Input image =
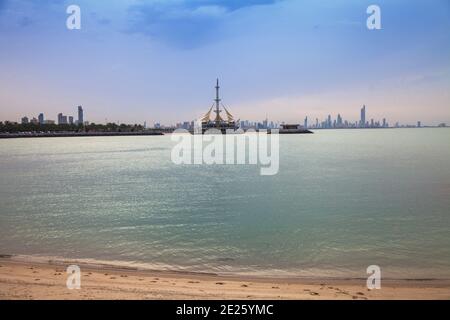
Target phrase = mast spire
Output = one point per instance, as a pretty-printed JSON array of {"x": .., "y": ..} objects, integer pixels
[{"x": 217, "y": 100}]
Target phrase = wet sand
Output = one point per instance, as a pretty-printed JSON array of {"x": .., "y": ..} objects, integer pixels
[{"x": 47, "y": 280}]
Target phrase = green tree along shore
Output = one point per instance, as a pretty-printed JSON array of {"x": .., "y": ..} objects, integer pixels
[{"x": 14, "y": 127}]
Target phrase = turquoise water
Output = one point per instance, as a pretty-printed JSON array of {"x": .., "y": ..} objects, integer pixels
[{"x": 342, "y": 200}]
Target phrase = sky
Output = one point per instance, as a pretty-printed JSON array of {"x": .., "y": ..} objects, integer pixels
[{"x": 157, "y": 60}]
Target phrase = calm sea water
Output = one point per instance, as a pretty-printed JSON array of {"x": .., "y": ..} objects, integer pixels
[{"x": 342, "y": 200}]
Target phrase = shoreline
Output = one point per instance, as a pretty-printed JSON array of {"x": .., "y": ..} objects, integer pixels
[
  {"x": 282, "y": 275},
  {"x": 27, "y": 279},
  {"x": 78, "y": 134}
]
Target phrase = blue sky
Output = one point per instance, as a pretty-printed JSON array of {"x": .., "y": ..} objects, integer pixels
[{"x": 156, "y": 61}]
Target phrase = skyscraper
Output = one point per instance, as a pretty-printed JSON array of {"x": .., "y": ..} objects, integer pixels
[
  {"x": 80, "y": 115},
  {"x": 362, "y": 122},
  {"x": 60, "y": 118},
  {"x": 41, "y": 118},
  {"x": 306, "y": 123},
  {"x": 339, "y": 121}
]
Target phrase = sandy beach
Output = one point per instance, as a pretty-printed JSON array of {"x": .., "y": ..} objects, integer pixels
[{"x": 47, "y": 280}]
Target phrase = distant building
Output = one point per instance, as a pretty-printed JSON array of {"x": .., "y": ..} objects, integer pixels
[
  {"x": 339, "y": 121},
  {"x": 34, "y": 121},
  {"x": 80, "y": 115},
  {"x": 25, "y": 120},
  {"x": 41, "y": 118},
  {"x": 419, "y": 124},
  {"x": 70, "y": 120},
  {"x": 305, "y": 124},
  {"x": 62, "y": 119},
  {"x": 185, "y": 125},
  {"x": 49, "y": 121},
  {"x": 362, "y": 122}
]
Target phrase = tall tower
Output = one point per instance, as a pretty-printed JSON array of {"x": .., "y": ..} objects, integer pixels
[
  {"x": 80, "y": 115},
  {"x": 217, "y": 100},
  {"x": 362, "y": 123}
]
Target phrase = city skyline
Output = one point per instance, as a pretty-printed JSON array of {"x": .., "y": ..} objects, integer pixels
[
  {"x": 330, "y": 122},
  {"x": 284, "y": 59},
  {"x": 61, "y": 118}
]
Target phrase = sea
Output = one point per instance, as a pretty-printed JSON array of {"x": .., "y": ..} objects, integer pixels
[{"x": 342, "y": 200}]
